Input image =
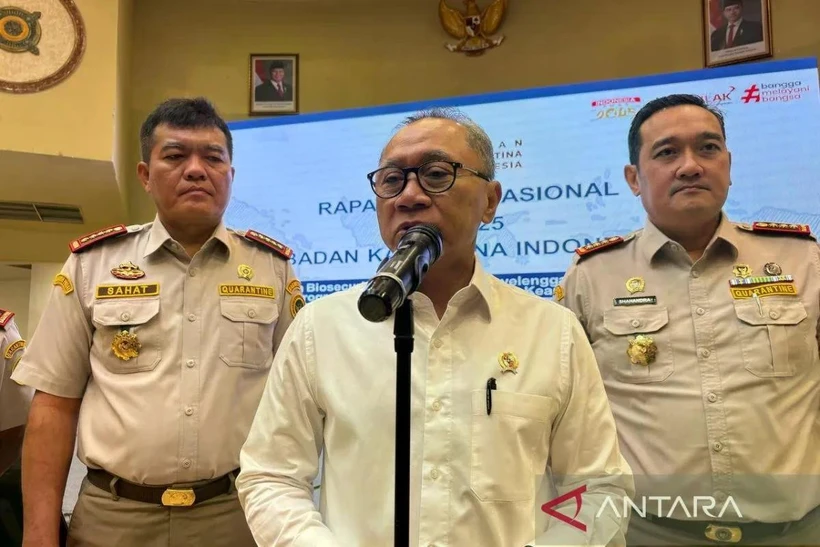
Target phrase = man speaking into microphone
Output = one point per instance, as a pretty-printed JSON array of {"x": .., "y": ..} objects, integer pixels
[{"x": 507, "y": 405}]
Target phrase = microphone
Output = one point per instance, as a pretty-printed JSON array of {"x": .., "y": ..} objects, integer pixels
[{"x": 400, "y": 275}]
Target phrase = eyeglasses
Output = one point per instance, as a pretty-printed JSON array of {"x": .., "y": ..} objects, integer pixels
[{"x": 434, "y": 177}]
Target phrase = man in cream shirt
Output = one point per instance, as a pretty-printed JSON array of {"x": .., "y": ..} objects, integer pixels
[{"x": 479, "y": 475}]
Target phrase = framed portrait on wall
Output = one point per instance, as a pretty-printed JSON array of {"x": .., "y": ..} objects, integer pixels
[
  {"x": 735, "y": 31},
  {"x": 274, "y": 84}
]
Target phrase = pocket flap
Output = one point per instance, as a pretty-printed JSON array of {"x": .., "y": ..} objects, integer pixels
[
  {"x": 633, "y": 320},
  {"x": 510, "y": 403},
  {"x": 247, "y": 311},
  {"x": 125, "y": 312},
  {"x": 770, "y": 313}
]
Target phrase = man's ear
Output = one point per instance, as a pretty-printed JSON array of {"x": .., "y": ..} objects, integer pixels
[
  {"x": 631, "y": 176},
  {"x": 493, "y": 200},
  {"x": 142, "y": 173}
]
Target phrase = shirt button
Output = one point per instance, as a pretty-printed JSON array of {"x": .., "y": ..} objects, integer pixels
[
  {"x": 435, "y": 474},
  {"x": 436, "y": 405},
  {"x": 251, "y": 313},
  {"x": 636, "y": 323},
  {"x": 695, "y": 273},
  {"x": 712, "y": 397},
  {"x": 700, "y": 311},
  {"x": 674, "y": 247},
  {"x": 125, "y": 316},
  {"x": 717, "y": 446},
  {"x": 774, "y": 314},
  {"x": 438, "y": 343},
  {"x": 190, "y": 363},
  {"x": 704, "y": 352},
  {"x": 192, "y": 272},
  {"x": 186, "y": 463},
  {"x": 191, "y": 317},
  {"x": 189, "y": 411}
]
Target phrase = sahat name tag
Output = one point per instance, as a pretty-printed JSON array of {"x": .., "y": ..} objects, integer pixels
[{"x": 127, "y": 291}]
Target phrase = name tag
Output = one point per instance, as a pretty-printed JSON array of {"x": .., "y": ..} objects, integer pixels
[
  {"x": 258, "y": 291},
  {"x": 127, "y": 291},
  {"x": 770, "y": 289},
  {"x": 635, "y": 301},
  {"x": 14, "y": 348}
]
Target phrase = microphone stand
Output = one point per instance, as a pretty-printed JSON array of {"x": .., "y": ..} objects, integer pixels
[{"x": 403, "y": 333}]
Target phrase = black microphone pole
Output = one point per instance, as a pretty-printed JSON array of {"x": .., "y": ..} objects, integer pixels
[{"x": 403, "y": 334}]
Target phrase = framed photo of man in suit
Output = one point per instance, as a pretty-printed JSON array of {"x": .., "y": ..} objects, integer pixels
[
  {"x": 274, "y": 84},
  {"x": 735, "y": 31}
]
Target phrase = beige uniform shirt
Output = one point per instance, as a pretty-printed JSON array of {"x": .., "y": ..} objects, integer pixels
[
  {"x": 14, "y": 398},
  {"x": 730, "y": 406},
  {"x": 208, "y": 327},
  {"x": 476, "y": 479}
]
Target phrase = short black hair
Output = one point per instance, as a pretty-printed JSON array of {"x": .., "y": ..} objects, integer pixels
[
  {"x": 276, "y": 64},
  {"x": 656, "y": 105},
  {"x": 197, "y": 113},
  {"x": 727, "y": 3}
]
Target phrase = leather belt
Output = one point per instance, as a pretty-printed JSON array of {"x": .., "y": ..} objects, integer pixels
[
  {"x": 169, "y": 496},
  {"x": 724, "y": 532}
]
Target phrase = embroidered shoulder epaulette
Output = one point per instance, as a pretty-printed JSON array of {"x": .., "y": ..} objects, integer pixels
[
  {"x": 89, "y": 240},
  {"x": 782, "y": 228},
  {"x": 5, "y": 317},
  {"x": 269, "y": 242},
  {"x": 607, "y": 243}
]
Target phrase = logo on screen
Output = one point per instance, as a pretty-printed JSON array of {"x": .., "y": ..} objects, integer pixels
[
  {"x": 616, "y": 107},
  {"x": 775, "y": 92}
]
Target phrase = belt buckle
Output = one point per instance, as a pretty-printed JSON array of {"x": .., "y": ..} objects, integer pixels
[
  {"x": 723, "y": 534},
  {"x": 178, "y": 497}
]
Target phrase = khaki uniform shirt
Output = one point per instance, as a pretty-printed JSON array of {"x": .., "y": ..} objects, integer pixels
[
  {"x": 14, "y": 398},
  {"x": 730, "y": 405},
  {"x": 477, "y": 478},
  {"x": 208, "y": 327}
]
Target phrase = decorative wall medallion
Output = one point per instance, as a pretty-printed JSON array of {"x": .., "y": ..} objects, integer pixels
[{"x": 39, "y": 49}]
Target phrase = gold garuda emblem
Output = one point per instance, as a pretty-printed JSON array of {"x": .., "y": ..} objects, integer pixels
[
  {"x": 473, "y": 28},
  {"x": 508, "y": 362},
  {"x": 127, "y": 270},
  {"x": 19, "y": 30},
  {"x": 642, "y": 350},
  {"x": 126, "y": 345}
]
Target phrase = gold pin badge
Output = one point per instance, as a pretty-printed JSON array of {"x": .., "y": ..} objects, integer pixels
[
  {"x": 772, "y": 268},
  {"x": 642, "y": 350},
  {"x": 127, "y": 270},
  {"x": 126, "y": 345},
  {"x": 244, "y": 272},
  {"x": 742, "y": 270},
  {"x": 508, "y": 362},
  {"x": 635, "y": 284},
  {"x": 558, "y": 293}
]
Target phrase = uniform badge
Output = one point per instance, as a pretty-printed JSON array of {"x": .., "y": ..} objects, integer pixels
[
  {"x": 296, "y": 304},
  {"x": 635, "y": 284},
  {"x": 508, "y": 362},
  {"x": 14, "y": 348},
  {"x": 127, "y": 270},
  {"x": 772, "y": 268},
  {"x": 125, "y": 345},
  {"x": 642, "y": 350},
  {"x": 64, "y": 283},
  {"x": 294, "y": 286},
  {"x": 742, "y": 270},
  {"x": 558, "y": 293},
  {"x": 244, "y": 272}
]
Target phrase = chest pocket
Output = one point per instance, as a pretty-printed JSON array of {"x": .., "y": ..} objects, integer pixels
[
  {"x": 774, "y": 338},
  {"x": 246, "y": 332},
  {"x": 140, "y": 317},
  {"x": 622, "y": 325},
  {"x": 510, "y": 446}
]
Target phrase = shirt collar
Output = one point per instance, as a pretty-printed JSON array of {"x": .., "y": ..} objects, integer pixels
[
  {"x": 481, "y": 283},
  {"x": 652, "y": 240},
  {"x": 159, "y": 236}
]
